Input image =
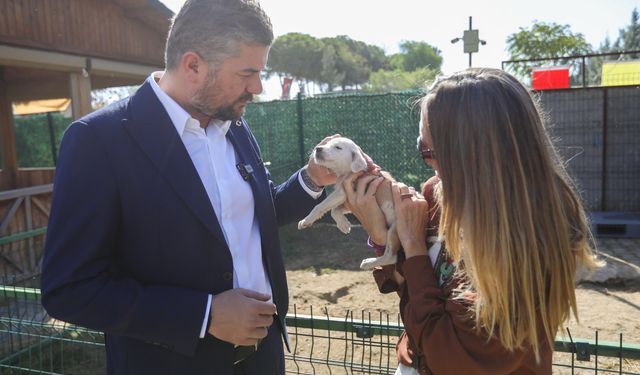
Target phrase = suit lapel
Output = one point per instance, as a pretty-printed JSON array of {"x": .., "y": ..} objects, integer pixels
[
  {"x": 240, "y": 137},
  {"x": 150, "y": 126},
  {"x": 248, "y": 156}
]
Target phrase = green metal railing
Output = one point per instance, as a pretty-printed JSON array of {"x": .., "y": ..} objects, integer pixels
[
  {"x": 22, "y": 235},
  {"x": 31, "y": 342}
]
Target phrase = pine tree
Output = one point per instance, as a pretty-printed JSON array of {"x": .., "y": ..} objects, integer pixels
[{"x": 629, "y": 37}]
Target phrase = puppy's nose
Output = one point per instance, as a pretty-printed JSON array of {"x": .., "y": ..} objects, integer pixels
[{"x": 319, "y": 149}]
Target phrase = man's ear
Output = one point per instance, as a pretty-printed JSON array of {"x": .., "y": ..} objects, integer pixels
[
  {"x": 358, "y": 162},
  {"x": 192, "y": 65}
]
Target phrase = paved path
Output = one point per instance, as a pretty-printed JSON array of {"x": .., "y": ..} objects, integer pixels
[{"x": 623, "y": 261}]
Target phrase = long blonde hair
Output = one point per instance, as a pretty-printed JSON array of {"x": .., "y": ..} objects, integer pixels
[{"x": 509, "y": 209}]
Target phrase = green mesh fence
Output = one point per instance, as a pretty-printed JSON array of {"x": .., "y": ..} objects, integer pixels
[
  {"x": 384, "y": 125},
  {"x": 362, "y": 342}
]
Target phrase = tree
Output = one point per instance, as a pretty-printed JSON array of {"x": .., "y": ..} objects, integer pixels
[
  {"x": 339, "y": 61},
  {"x": 374, "y": 55},
  {"x": 348, "y": 63},
  {"x": 352, "y": 67},
  {"x": 399, "y": 80},
  {"x": 415, "y": 55},
  {"x": 629, "y": 37},
  {"x": 103, "y": 97},
  {"x": 628, "y": 40},
  {"x": 544, "y": 40},
  {"x": 330, "y": 74},
  {"x": 296, "y": 55}
]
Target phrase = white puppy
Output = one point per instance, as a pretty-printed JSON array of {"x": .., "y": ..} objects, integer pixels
[{"x": 343, "y": 157}]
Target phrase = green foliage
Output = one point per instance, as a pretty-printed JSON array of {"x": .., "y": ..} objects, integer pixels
[
  {"x": 373, "y": 55},
  {"x": 296, "y": 55},
  {"x": 415, "y": 55},
  {"x": 347, "y": 63},
  {"x": 339, "y": 61},
  {"x": 628, "y": 37},
  {"x": 399, "y": 80},
  {"x": 330, "y": 74},
  {"x": 350, "y": 65},
  {"x": 544, "y": 40},
  {"x": 628, "y": 40},
  {"x": 33, "y": 139},
  {"x": 103, "y": 97}
]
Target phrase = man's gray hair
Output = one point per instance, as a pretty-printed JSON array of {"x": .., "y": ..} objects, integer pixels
[{"x": 214, "y": 28}]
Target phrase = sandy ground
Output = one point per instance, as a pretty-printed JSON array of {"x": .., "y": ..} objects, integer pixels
[{"x": 322, "y": 269}]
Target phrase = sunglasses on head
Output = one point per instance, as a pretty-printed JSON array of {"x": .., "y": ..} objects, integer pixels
[{"x": 425, "y": 152}]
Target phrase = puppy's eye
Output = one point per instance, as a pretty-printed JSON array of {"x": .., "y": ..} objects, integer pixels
[{"x": 338, "y": 147}]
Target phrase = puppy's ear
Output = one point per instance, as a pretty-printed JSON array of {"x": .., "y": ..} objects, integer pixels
[{"x": 358, "y": 163}]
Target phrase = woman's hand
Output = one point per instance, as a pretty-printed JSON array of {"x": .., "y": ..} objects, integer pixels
[
  {"x": 411, "y": 219},
  {"x": 360, "y": 189}
]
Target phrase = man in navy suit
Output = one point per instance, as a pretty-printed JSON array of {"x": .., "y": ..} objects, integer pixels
[{"x": 163, "y": 227}]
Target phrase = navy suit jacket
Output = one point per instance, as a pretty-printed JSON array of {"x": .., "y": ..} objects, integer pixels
[{"x": 134, "y": 248}]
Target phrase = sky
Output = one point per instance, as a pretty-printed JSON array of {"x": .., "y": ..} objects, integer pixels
[{"x": 387, "y": 23}]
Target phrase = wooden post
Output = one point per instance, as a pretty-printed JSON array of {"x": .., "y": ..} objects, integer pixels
[
  {"x": 7, "y": 135},
  {"x": 80, "y": 84}
]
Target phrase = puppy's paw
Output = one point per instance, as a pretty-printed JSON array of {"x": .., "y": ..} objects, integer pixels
[
  {"x": 368, "y": 264},
  {"x": 302, "y": 224},
  {"x": 344, "y": 226}
]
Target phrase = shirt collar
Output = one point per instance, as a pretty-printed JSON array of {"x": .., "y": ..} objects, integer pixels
[
  {"x": 179, "y": 117},
  {"x": 222, "y": 127}
]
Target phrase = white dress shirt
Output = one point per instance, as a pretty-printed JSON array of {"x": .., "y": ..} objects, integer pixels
[{"x": 230, "y": 195}]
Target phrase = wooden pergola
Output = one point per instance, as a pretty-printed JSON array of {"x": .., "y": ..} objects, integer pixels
[
  {"x": 61, "y": 49},
  {"x": 66, "y": 48}
]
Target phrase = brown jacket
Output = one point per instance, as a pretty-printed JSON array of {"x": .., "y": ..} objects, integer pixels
[{"x": 440, "y": 337}]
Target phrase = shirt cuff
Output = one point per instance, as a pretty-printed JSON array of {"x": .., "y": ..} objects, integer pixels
[
  {"x": 203, "y": 330},
  {"x": 313, "y": 194}
]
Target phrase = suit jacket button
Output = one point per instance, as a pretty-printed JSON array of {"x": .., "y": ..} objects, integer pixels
[{"x": 227, "y": 276}]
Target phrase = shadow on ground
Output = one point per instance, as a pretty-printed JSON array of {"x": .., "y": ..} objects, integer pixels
[{"x": 323, "y": 246}]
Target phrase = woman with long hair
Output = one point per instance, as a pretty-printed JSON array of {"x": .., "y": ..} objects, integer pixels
[{"x": 504, "y": 215}]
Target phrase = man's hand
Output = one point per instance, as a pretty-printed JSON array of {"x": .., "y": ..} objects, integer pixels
[
  {"x": 321, "y": 176},
  {"x": 241, "y": 316}
]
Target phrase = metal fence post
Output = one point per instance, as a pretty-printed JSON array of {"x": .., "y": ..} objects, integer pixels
[
  {"x": 605, "y": 140},
  {"x": 301, "y": 131}
]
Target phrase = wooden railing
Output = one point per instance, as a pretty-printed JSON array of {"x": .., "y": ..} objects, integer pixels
[{"x": 24, "y": 213}]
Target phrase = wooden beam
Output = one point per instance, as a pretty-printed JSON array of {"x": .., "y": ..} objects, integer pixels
[
  {"x": 32, "y": 190},
  {"x": 33, "y": 58},
  {"x": 40, "y": 205},
  {"x": 7, "y": 133},
  {"x": 57, "y": 61},
  {"x": 52, "y": 88},
  {"x": 80, "y": 94},
  {"x": 6, "y": 220},
  {"x": 29, "y": 224},
  {"x": 112, "y": 68}
]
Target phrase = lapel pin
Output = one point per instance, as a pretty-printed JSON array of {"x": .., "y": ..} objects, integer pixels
[{"x": 245, "y": 170}]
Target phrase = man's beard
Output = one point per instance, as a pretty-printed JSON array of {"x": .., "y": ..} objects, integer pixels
[{"x": 207, "y": 94}]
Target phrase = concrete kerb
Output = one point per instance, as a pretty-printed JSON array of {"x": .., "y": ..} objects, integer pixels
[{"x": 622, "y": 257}]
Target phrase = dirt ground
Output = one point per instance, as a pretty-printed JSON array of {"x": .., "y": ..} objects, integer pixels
[{"x": 323, "y": 272}]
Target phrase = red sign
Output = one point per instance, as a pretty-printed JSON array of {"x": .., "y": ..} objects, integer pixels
[
  {"x": 550, "y": 78},
  {"x": 286, "y": 87}
]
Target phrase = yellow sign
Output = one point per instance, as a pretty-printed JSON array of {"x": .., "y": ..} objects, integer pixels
[{"x": 621, "y": 73}]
